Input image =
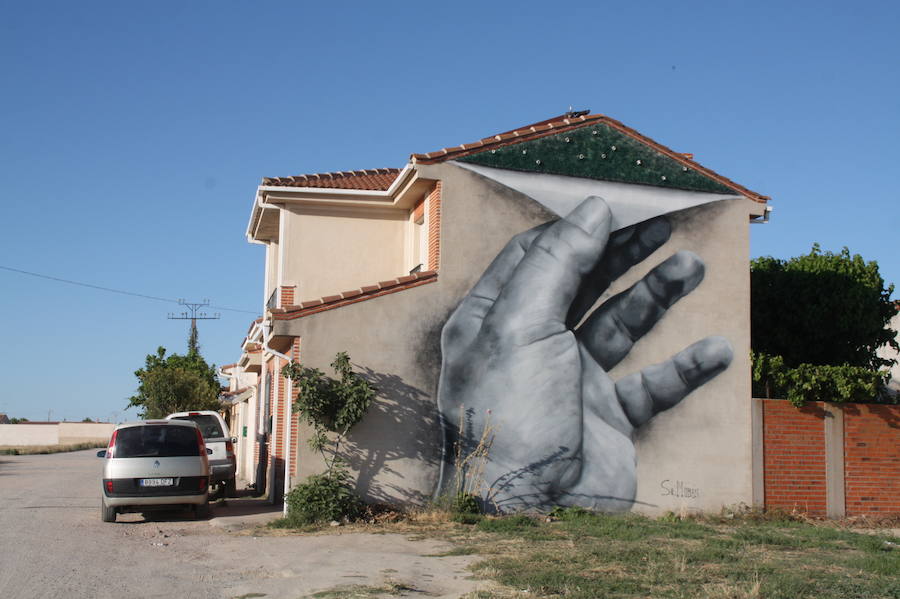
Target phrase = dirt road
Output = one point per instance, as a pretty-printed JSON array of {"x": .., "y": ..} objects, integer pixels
[{"x": 53, "y": 544}]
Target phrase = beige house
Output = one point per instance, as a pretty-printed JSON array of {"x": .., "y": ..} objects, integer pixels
[
  {"x": 240, "y": 409},
  {"x": 648, "y": 285}
]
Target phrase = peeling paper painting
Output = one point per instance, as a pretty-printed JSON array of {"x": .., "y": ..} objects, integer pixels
[{"x": 526, "y": 353}]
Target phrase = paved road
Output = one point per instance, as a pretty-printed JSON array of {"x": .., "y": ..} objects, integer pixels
[{"x": 53, "y": 544}]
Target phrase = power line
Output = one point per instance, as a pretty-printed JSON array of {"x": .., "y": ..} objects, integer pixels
[{"x": 111, "y": 290}]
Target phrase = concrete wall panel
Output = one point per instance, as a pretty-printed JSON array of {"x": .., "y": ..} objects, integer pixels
[
  {"x": 79, "y": 432},
  {"x": 29, "y": 434}
]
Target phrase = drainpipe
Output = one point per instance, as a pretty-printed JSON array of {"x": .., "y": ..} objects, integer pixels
[{"x": 290, "y": 416}]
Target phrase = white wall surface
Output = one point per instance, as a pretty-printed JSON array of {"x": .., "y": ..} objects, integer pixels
[{"x": 29, "y": 434}]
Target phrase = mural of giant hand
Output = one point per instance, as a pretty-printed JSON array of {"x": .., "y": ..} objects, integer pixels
[{"x": 519, "y": 357}]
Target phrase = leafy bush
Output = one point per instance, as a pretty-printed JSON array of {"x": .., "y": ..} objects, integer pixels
[
  {"x": 332, "y": 407},
  {"x": 323, "y": 498},
  {"x": 815, "y": 382},
  {"x": 328, "y": 404},
  {"x": 466, "y": 503}
]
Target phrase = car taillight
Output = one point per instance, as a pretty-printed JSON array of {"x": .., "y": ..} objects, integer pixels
[
  {"x": 111, "y": 450},
  {"x": 200, "y": 443},
  {"x": 202, "y": 484},
  {"x": 229, "y": 449},
  {"x": 109, "y": 486}
]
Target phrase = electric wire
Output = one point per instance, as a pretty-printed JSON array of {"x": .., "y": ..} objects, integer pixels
[{"x": 111, "y": 290}]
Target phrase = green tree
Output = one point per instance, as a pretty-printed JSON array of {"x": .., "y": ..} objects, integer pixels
[
  {"x": 817, "y": 321},
  {"x": 332, "y": 406},
  {"x": 175, "y": 383},
  {"x": 821, "y": 308}
]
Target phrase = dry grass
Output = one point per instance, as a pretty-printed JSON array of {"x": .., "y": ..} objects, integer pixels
[{"x": 739, "y": 554}]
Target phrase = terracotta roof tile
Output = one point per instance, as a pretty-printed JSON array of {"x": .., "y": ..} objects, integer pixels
[
  {"x": 376, "y": 179},
  {"x": 346, "y": 298}
]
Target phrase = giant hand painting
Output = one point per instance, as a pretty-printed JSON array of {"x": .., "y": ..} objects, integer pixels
[{"x": 525, "y": 357}]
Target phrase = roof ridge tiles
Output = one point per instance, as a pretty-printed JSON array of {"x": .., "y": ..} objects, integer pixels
[
  {"x": 376, "y": 179},
  {"x": 563, "y": 123}
]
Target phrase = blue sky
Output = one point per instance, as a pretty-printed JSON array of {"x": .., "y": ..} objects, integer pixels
[{"x": 133, "y": 136}]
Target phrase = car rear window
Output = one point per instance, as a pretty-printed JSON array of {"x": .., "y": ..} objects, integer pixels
[
  {"x": 209, "y": 425},
  {"x": 156, "y": 441}
]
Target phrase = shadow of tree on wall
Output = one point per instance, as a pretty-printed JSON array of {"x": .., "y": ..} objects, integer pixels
[
  {"x": 402, "y": 424},
  {"x": 890, "y": 414}
]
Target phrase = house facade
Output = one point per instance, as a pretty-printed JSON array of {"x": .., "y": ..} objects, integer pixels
[
  {"x": 240, "y": 408},
  {"x": 571, "y": 294}
]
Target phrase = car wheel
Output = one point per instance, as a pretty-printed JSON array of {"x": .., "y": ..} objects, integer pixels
[
  {"x": 107, "y": 513},
  {"x": 230, "y": 488},
  {"x": 201, "y": 511}
]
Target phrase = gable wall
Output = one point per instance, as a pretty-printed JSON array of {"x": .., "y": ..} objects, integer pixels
[{"x": 703, "y": 444}]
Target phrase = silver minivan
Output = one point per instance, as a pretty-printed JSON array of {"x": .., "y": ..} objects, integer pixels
[{"x": 154, "y": 464}]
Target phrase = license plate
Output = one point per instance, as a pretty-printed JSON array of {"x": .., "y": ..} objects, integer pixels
[{"x": 157, "y": 482}]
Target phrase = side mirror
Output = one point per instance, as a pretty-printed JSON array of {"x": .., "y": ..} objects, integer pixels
[
  {"x": 101, "y": 453},
  {"x": 208, "y": 451}
]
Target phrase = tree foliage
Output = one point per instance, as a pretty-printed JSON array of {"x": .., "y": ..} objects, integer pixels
[
  {"x": 817, "y": 382},
  {"x": 821, "y": 308},
  {"x": 175, "y": 383},
  {"x": 331, "y": 406},
  {"x": 817, "y": 321}
]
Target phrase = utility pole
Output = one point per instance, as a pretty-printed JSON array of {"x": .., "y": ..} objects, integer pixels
[{"x": 193, "y": 314}]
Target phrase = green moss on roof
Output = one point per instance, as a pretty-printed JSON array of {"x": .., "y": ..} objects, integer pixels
[{"x": 597, "y": 151}]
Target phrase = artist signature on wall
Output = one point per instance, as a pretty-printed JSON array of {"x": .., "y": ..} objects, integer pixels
[{"x": 677, "y": 488}]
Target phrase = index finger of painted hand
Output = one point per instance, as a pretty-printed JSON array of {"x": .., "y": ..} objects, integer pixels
[
  {"x": 534, "y": 302},
  {"x": 661, "y": 386},
  {"x": 466, "y": 320}
]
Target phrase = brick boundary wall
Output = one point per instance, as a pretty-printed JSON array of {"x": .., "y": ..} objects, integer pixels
[
  {"x": 871, "y": 459},
  {"x": 831, "y": 459},
  {"x": 794, "y": 457}
]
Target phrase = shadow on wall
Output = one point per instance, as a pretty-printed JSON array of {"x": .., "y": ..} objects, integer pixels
[
  {"x": 401, "y": 425},
  {"x": 889, "y": 413}
]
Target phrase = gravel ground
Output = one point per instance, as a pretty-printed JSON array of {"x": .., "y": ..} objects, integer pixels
[{"x": 53, "y": 544}]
